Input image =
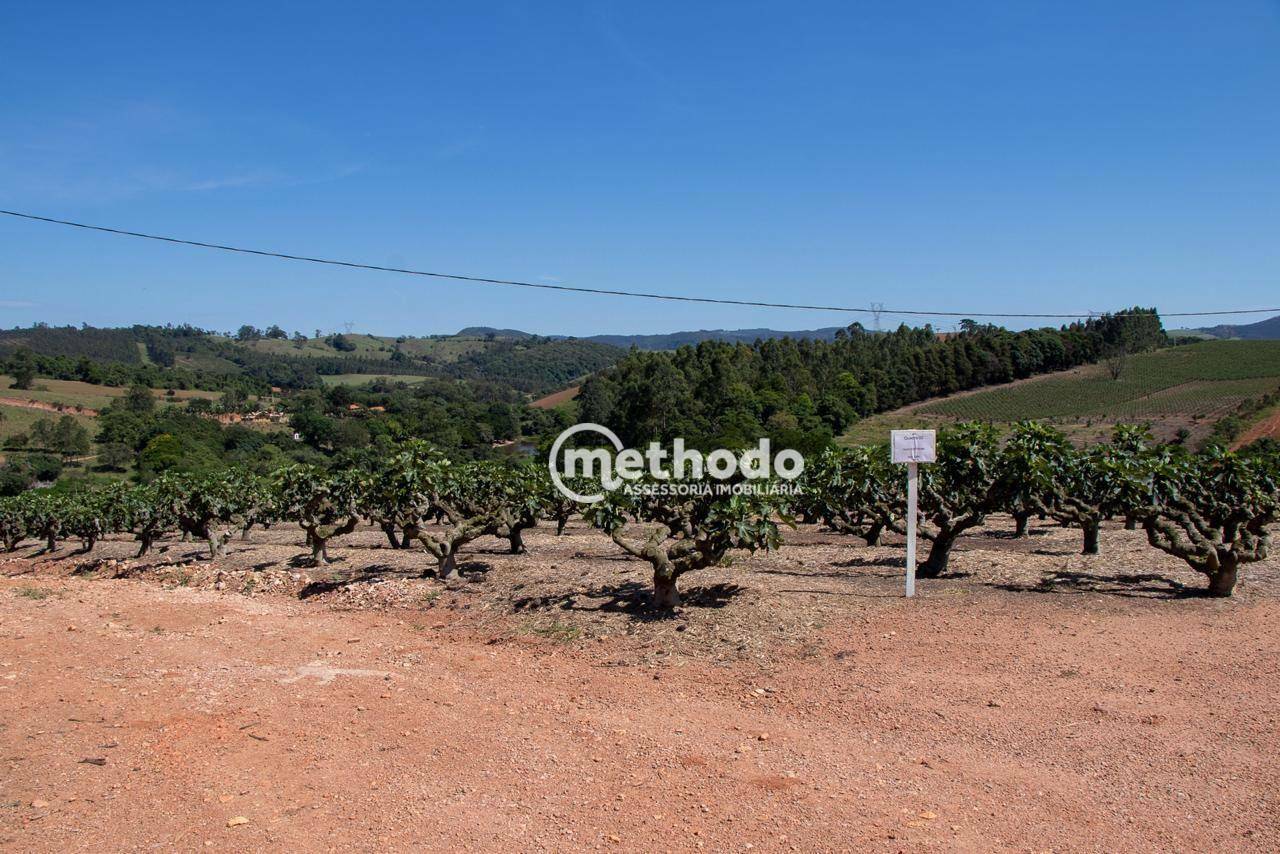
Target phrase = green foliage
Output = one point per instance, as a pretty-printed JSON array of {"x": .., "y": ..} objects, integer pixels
[
  {"x": 326, "y": 504},
  {"x": 1212, "y": 510},
  {"x": 1042, "y": 473},
  {"x": 956, "y": 493},
  {"x": 65, "y": 436},
  {"x": 23, "y": 369},
  {"x": 853, "y": 491},
  {"x": 21, "y": 472},
  {"x": 92, "y": 512},
  {"x": 686, "y": 532},
  {"x": 1197, "y": 378},
  {"x": 801, "y": 393}
]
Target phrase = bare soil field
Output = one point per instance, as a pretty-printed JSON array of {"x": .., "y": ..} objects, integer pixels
[
  {"x": 551, "y": 401},
  {"x": 1038, "y": 700}
]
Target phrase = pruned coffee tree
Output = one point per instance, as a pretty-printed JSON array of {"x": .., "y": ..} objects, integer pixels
[
  {"x": 1212, "y": 511},
  {"x": 852, "y": 491},
  {"x": 683, "y": 533},
  {"x": 13, "y": 522},
  {"x": 91, "y": 513},
  {"x": 209, "y": 507},
  {"x": 325, "y": 504},
  {"x": 416, "y": 486},
  {"x": 956, "y": 492}
]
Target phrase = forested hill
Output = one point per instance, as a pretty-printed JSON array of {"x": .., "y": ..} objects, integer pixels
[
  {"x": 800, "y": 393},
  {"x": 254, "y": 359},
  {"x": 671, "y": 340}
]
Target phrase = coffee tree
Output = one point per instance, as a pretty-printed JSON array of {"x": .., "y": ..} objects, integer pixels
[
  {"x": 955, "y": 493},
  {"x": 325, "y": 504},
  {"x": 415, "y": 486},
  {"x": 13, "y": 521},
  {"x": 1212, "y": 511},
  {"x": 210, "y": 507},
  {"x": 683, "y": 533},
  {"x": 852, "y": 491}
]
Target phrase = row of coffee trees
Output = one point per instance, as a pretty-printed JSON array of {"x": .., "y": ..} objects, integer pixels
[{"x": 1211, "y": 509}]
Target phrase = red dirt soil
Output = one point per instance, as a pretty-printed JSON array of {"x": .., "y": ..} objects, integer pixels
[
  {"x": 47, "y": 407},
  {"x": 969, "y": 719},
  {"x": 554, "y": 399},
  {"x": 1268, "y": 427}
]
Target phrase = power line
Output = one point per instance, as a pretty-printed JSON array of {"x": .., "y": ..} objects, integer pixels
[{"x": 580, "y": 290}]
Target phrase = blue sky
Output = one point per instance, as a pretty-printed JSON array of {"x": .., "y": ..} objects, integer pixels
[{"x": 1027, "y": 156}]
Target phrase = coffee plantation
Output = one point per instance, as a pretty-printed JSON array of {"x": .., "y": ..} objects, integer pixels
[{"x": 1211, "y": 509}]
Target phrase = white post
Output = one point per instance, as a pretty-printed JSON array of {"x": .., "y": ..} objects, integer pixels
[{"x": 912, "y": 471}]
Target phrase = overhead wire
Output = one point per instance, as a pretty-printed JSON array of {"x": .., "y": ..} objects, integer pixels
[{"x": 877, "y": 311}]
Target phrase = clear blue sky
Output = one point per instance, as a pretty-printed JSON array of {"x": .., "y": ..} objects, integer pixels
[{"x": 1026, "y": 156}]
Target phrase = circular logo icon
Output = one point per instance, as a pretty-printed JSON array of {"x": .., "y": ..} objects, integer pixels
[{"x": 555, "y": 454}]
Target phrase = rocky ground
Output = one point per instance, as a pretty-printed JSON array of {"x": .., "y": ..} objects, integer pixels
[{"x": 1037, "y": 700}]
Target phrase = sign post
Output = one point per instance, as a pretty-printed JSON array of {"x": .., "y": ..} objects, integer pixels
[{"x": 913, "y": 447}]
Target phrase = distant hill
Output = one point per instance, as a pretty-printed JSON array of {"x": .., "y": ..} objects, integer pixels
[
  {"x": 491, "y": 332},
  {"x": 674, "y": 340},
  {"x": 508, "y": 358},
  {"x": 1263, "y": 330},
  {"x": 664, "y": 340}
]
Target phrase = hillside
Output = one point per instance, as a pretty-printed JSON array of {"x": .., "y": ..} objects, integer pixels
[
  {"x": 1263, "y": 330},
  {"x": 667, "y": 340},
  {"x": 1188, "y": 387},
  {"x": 190, "y": 357}
]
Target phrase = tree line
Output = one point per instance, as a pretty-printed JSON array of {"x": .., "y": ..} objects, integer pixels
[{"x": 801, "y": 393}]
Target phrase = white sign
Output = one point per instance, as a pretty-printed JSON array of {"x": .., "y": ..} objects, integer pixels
[{"x": 914, "y": 446}]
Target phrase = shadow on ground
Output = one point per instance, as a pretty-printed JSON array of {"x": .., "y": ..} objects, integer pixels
[
  {"x": 1133, "y": 585},
  {"x": 632, "y": 598}
]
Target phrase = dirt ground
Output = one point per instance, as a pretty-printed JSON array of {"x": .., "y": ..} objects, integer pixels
[{"x": 1039, "y": 700}]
